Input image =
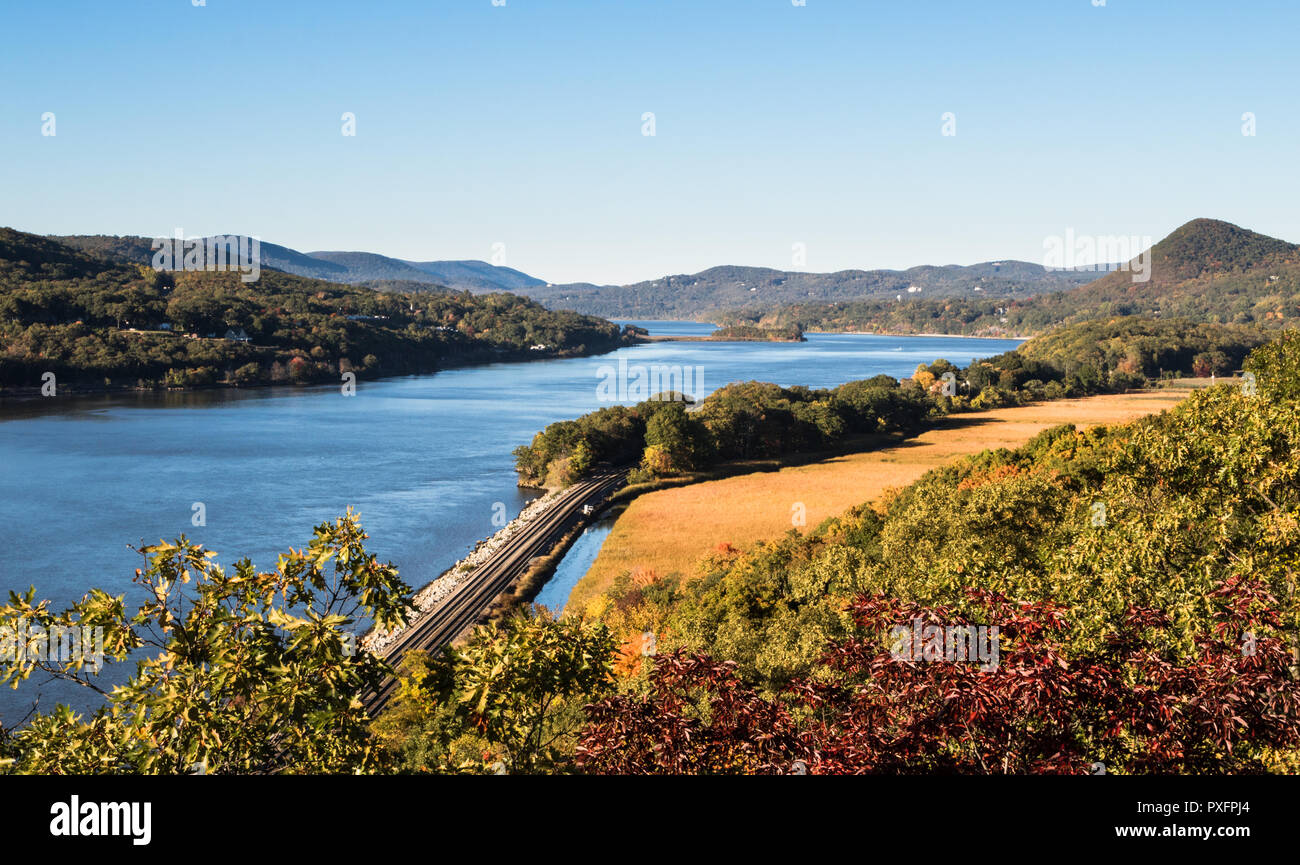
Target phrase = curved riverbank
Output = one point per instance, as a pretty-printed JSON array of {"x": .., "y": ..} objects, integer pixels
[
  {"x": 35, "y": 393},
  {"x": 666, "y": 532},
  {"x": 425, "y": 460}
]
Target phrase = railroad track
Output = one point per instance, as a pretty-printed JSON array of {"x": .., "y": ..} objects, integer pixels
[{"x": 439, "y": 626}]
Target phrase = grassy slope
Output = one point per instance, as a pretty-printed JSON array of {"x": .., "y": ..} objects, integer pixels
[{"x": 669, "y": 530}]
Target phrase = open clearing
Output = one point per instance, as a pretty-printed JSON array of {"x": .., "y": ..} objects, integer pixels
[{"x": 667, "y": 531}]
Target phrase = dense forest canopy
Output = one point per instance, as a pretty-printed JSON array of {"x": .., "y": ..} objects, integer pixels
[
  {"x": 744, "y": 420},
  {"x": 95, "y": 323},
  {"x": 1146, "y": 347}
]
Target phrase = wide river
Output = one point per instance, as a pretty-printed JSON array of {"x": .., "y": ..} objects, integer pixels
[{"x": 426, "y": 460}]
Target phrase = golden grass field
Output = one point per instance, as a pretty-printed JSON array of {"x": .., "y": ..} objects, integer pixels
[{"x": 667, "y": 531}]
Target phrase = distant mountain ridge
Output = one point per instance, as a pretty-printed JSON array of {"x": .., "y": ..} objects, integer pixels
[
  {"x": 733, "y": 289},
  {"x": 471, "y": 275},
  {"x": 681, "y": 296},
  {"x": 1206, "y": 270},
  {"x": 352, "y": 268}
]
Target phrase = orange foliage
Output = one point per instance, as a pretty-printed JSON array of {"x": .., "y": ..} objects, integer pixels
[
  {"x": 998, "y": 474},
  {"x": 630, "y": 655},
  {"x": 643, "y": 576}
]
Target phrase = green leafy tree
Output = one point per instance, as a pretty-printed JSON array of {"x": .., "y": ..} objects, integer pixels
[
  {"x": 513, "y": 696},
  {"x": 251, "y": 672},
  {"x": 581, "y": 461},
  {"x": 680, "y": 440},
  {"x": 1276, "y": 366}
]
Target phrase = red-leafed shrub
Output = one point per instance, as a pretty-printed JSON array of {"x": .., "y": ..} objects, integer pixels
[{"x": 1133, "y": 706}]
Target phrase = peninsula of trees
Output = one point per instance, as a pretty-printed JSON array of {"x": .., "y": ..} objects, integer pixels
[
  {"x": 751, "y": 333},
  {"x": 666, "y": 435}
]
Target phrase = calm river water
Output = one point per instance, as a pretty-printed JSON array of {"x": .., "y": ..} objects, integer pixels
[{"x": 424, "y": 459}]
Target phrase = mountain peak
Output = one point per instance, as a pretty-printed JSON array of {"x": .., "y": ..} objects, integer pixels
[
  {"x": 1200, "y": 248},
  {"x": 1204, "y": 246}
]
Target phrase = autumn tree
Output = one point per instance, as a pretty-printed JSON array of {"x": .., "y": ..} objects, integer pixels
[
  {"x": 1133, "y": 705},
  {"x": 238, "y": 670},
  {"x": 509, "y": 700}
]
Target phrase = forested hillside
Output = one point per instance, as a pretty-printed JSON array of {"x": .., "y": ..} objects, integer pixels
[
  {"x": 1147, "y": 347},
  {"x": 353, "y": 268},
  {"x": 717, "y": 291},
  {"x": 96, "y": 324},
  {"x": 1207, "y": 270}
]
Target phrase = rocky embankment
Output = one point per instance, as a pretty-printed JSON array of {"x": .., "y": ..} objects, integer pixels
[{"x": 429, "y": 597}]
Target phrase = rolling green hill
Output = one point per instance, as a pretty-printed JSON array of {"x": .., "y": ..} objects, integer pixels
[
  {"x": 1136, "y": 345},
  {"x": 99, "y": 324}
]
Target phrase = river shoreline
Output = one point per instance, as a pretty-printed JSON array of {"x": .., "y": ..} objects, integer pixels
[
  {"x": 27, "y": 395},
  {"x": 748, "y": 507},
  {"x": 678, "y": 338},
  {"x": 926, "y": 335},
  {"x": 424, "y": 459},
  {"x": 428, "y": 596}
]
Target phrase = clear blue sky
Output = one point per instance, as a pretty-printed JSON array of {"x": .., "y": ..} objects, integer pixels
[{"x": 775, "y": 124}]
